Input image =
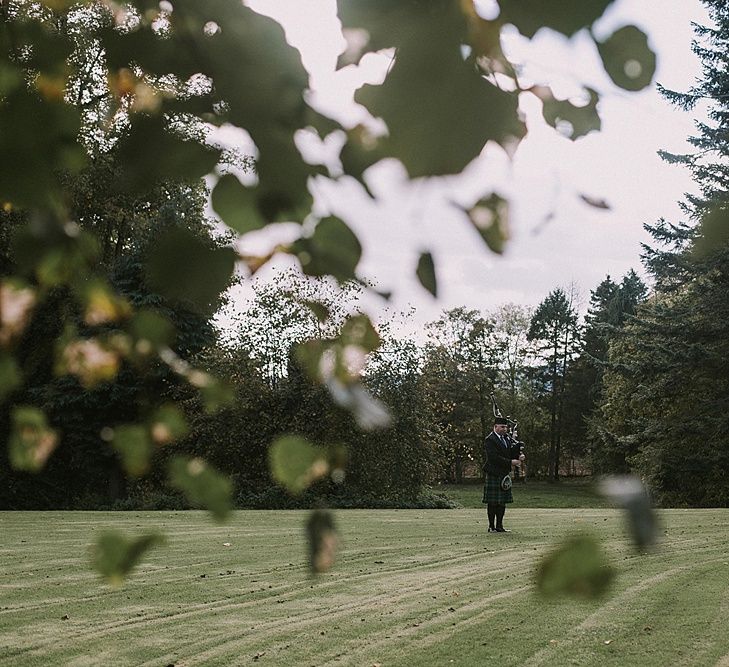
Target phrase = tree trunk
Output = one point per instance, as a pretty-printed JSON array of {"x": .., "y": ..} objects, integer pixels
[{"x": 459, "y": 470}]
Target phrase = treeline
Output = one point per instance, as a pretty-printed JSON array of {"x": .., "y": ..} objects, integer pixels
[
  {"x": 108, "y": 298},
  {"x": 635, "y": 386}
]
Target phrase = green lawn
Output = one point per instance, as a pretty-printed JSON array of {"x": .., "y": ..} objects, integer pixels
[
  {"x": 411, "y": 587},
  {"x": 567, "y": 493}
]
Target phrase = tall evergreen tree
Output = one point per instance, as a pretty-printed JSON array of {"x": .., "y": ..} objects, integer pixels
[
  {"x": 611, "y": 306},
  {"x": 554, "y": 327},
  {"x": 664, "y": 413}
]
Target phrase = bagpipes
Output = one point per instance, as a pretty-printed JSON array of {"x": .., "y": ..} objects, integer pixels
[{"x": 516, "y": 446}]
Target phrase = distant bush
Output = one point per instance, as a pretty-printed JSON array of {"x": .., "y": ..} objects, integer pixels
[{"x": 277, "y": 498}]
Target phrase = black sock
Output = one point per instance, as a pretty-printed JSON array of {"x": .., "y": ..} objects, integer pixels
[
  {"x": 500, "y": 511},
  {"x": 491, "y": 511}
]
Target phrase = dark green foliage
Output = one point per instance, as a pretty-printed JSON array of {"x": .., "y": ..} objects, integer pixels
[
  {"x": 612, "y": 305},
  {"x": 664, "y": 406},
  {"x": 666, "y": 391},
  {"x": 85, "y": 469},
  {"x": 554, "y": 328},
  {"x": 460, "y": 367}
]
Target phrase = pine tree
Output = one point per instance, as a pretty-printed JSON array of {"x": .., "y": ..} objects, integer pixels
[
  {"x": 666, "y": 390},
  {"x": 554, "y": 327}
]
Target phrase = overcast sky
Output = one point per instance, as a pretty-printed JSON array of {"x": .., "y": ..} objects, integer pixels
[{"x": 556, "y": 239}]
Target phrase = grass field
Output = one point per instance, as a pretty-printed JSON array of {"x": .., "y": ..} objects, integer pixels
[
  {"x": 411, "y": 587},
  {"x": 567, "y": 493}
]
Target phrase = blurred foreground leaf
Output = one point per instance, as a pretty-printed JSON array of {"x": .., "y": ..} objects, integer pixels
[
  {"x": 133, "y": 443},
  {"x": 714, "y": 232},
  {"x": 236, "y": 205},
  {"x": 628, "y": 492},
  {"x": 490, "y": 217},
  {"x": 628, "y": 59},
  {"x": 10, "y": 376},
  {"x": 426, "y": 273},
  {"x": 149, "y": 152},
  {"x": 31, "y": 439},
  {"x": 295, "y": 463},
  {"x": 571, "y": 120},
  {"x": 576, "y": 568},
  {"x": 38, "y": 141},
  {"x": 168, "y": 424},
  {"x": 322, "y": 540},
  {"x": 566, "y": 16},
  {"x": 17, "y": 301},
  {"x": 184, "y": 269},
  {"x": 333, "y": 249},
  {"x": 202, "y": 485},
  {"x": 114, "y": 555}
]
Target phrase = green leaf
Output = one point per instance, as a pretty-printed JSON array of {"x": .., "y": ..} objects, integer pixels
[
  {"x": 155, "y": 53},
  {"x": 322, "y": 540},
  {"x": 333, "y": 249},
  {"x": 376, "y": 25},
  {"x": 217, "y": 394},
  {"x": 48, "y": 49},
  {"x": 359, "y": 153},
  {"x": 148, "y": 325},
  {"x": 150, "y": 153},
  {"x": 10, "y": 376},
  {"x": 133, "y": 443},
  {"x": 102, "y": 305},
  {"x": 565, "y": 16},
  {"x": 17, "y": 301},
  {"x": 251, "y": 54},
  {"x": 490, "y": 217},
  {"x": 426, "y": 273},
  {"x": 236, "y": 205},
  {"x": 10, "y": 79},
  {"x": 183, "y": 268},
  {"x": 439, "y": 110},
  {"x": 38, "y": 142},
  {"x": 91, "y": 360},
  {"x": 202, "y": 485},
  {"x": 168, "y": 424},
  {"x": 573, "y": 121},
  {"x": 577, "y": 568},
  {"x": 56, "y": 253},
  {"x": 295, "y": 463},
  {"x": 31, "y": 439},
  {"x": 114, "y": 556},
  {"x": 628, "y": 59},
  {"x": 358, "y": 330}
]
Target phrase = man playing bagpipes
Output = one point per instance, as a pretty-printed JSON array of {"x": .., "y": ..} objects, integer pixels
[{"x": 501, "y": 453}]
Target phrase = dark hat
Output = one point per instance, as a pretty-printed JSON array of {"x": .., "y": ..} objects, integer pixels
[{"x": 500, "y": 420}]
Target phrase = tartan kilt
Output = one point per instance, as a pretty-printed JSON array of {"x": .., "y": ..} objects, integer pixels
[{"x": 493, "y": 493}]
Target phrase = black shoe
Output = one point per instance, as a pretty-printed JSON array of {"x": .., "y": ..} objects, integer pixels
[
  {"x": 492, "y": 530},
  {"x": 501, "y": 530}
]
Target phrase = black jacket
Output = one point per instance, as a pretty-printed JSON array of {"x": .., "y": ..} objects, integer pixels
[{"x": 497, "y": 457}]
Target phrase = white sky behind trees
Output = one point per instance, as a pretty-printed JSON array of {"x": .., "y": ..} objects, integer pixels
[{"x": 556, "y": 239}]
